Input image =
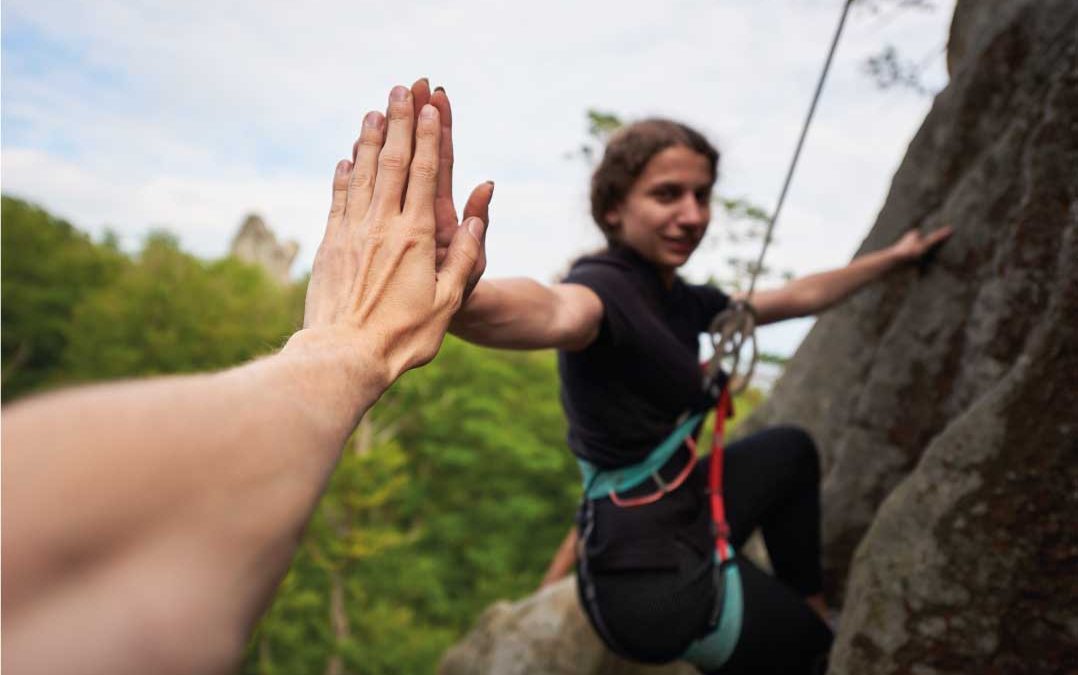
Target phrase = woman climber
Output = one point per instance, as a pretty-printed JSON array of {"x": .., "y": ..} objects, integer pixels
[{"x": 627, "y": 328}]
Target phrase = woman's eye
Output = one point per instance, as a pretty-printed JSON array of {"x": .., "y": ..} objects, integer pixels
[
  {"x": 703, "y": 198},
  {"x": 666, "y": 194}
]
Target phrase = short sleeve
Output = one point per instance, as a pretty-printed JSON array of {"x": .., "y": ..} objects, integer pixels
[
  {"x": 710, "y": 301},
  {"x": 614, "y": 286}
]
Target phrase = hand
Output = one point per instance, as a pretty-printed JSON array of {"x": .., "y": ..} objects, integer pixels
[
  {"x": 913, "y": 245},
  {"x": 445, "y": 211},
  {"x": 375, "y": 284}
]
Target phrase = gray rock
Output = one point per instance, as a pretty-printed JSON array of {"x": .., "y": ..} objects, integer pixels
[
  {"x": 945, "y": 398},
  {"x": 546, "y": 633},
  {"x": 881, "y": 376},
  {"x": 256, "y": 243}
]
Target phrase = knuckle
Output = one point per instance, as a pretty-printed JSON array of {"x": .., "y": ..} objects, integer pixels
[
  {"x": 455, "y": 297},
  {"x": 362, "y": 179},
  {"x": 427, "y": 130},
  {"x": 370, "y": 138},
  {"x": 424, "y": 169},
  {"x": 399, "y": 110},
  {"x": 392, "y": 161}
]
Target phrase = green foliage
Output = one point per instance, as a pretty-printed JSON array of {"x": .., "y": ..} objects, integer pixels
[
  {"x": 171, "y": 313},
  {"x": 454, "y": 493},
  {"x": 49, "y": 267}
]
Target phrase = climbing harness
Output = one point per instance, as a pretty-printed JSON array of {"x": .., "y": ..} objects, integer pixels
[{"x": 724, "y": 626}]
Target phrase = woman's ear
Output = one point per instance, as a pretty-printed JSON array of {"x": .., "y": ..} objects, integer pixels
[{"x": 612, "y": 219}]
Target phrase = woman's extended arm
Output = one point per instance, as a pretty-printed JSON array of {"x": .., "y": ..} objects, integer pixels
[
  {"x": 816, "y": 292},
  {"x": 524, "y": 314}
]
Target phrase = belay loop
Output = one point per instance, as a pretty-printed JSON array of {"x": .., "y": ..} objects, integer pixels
[{"x": 730, "y": 331}]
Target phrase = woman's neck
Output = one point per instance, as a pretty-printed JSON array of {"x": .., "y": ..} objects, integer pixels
[{"x": 666, "y": 275}]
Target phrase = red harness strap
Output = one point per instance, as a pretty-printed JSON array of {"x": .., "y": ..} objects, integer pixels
[{"x": 714, "y": 479}]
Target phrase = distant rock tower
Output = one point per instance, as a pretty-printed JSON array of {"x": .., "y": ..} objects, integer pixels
[{"x": 256, "y": 243}]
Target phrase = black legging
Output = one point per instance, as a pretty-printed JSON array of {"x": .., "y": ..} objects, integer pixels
[{"x": 771, "y": 481}]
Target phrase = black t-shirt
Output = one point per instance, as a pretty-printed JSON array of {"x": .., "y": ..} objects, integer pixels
[{"x": 623, "y": 393}]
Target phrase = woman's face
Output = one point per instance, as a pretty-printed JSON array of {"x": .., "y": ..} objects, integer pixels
[{"x": 665, "y": 215}]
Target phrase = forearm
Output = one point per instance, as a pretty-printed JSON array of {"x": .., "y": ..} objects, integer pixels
[
  {"x": 510, "y": 314},
  {"x": 189, "y": 534},
  {"x": 817, "y": 292},
  {"x": 826, "y": 289},
  {"x": 563, "y": 561}
]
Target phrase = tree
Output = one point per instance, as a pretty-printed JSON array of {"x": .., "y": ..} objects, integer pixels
[
  {"x": 169, "y": 312},
  {"x": 49, "y": 267}
]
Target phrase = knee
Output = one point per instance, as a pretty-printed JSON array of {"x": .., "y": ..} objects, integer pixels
[{"x": 802, "y": 451}]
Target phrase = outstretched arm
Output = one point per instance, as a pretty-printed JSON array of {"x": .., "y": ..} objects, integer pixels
[
  {"x": 505, "y": 313},
  {"x": 524, "y": 314},
  {"x": 814, "y": 293},
  {"x": 146, "y": 524}
]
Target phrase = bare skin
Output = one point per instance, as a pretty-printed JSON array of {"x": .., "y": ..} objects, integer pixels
[{"x": 146, "y": 524}]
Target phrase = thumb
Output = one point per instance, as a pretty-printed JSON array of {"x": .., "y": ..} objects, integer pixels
[
  {"x": 460, "y": 260},
  {"x": 478, "y": 204}
]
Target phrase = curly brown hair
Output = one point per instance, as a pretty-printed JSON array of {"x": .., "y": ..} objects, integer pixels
[{"x": 628, "y": 152}]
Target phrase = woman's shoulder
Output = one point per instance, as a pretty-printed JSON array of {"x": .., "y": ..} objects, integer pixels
[{"x": 602, "y": 263}]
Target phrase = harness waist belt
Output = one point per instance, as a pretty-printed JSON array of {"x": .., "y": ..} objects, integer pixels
[{"x": 599, "y": 483}]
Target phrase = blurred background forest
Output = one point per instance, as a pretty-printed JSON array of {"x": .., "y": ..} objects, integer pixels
[{"x": 454, "y": 491}]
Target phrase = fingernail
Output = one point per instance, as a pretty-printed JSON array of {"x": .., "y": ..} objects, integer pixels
[
  {"x": 372, "y": 119},
  {"x": 476, "y": 228},
  {"x": 491, "y": 184},
  {"x": 343, "y": 166},
  {"x": 398, "y": 93},
  {"x": 428, "y": 112},
  {"x": 426, "y": 80},
  {"x": 440, "y": 88}
]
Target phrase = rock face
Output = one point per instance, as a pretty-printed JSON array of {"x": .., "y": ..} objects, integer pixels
[
  {"x": 255, "y": 243},
  {"x": 949, "y": 393},
  {"x": 546, "y": 633}
]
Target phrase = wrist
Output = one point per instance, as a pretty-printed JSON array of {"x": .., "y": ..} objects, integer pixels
[
  {"x": 466, "y": 314},
  {"x": 342, "y": 369},
  {"x": 894, "y": 256}
]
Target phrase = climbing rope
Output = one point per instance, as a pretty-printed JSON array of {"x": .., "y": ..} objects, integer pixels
[{"x": 735, "y": 326}]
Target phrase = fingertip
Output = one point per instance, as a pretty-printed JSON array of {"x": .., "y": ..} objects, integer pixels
[
  {"x": 343, "y": 167},
  {"x": 429, "y": 112},
  {"x": 374, "y": 120}
]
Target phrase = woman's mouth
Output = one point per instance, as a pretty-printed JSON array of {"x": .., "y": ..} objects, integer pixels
[{"x": 680, "y": 244}]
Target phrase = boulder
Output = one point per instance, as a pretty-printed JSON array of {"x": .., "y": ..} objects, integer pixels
[
  {"x": 948, "y": 392},
  {"x": 255, "y": 243},
  {"x": 546, "y": 633}
]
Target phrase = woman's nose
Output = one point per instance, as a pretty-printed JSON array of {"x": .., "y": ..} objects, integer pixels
[{"x": 691, "y": 211}]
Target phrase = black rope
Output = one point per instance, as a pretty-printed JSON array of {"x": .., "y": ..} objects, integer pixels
[{"x": 797, "y": 152}]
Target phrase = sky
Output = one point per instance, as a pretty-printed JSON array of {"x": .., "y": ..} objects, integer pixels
[{"x": 187, "y": 116}]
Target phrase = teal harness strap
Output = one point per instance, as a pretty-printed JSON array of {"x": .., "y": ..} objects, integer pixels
[
  {"x": 714, "y": 649},
  {"x": 599, "y": 483}
]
